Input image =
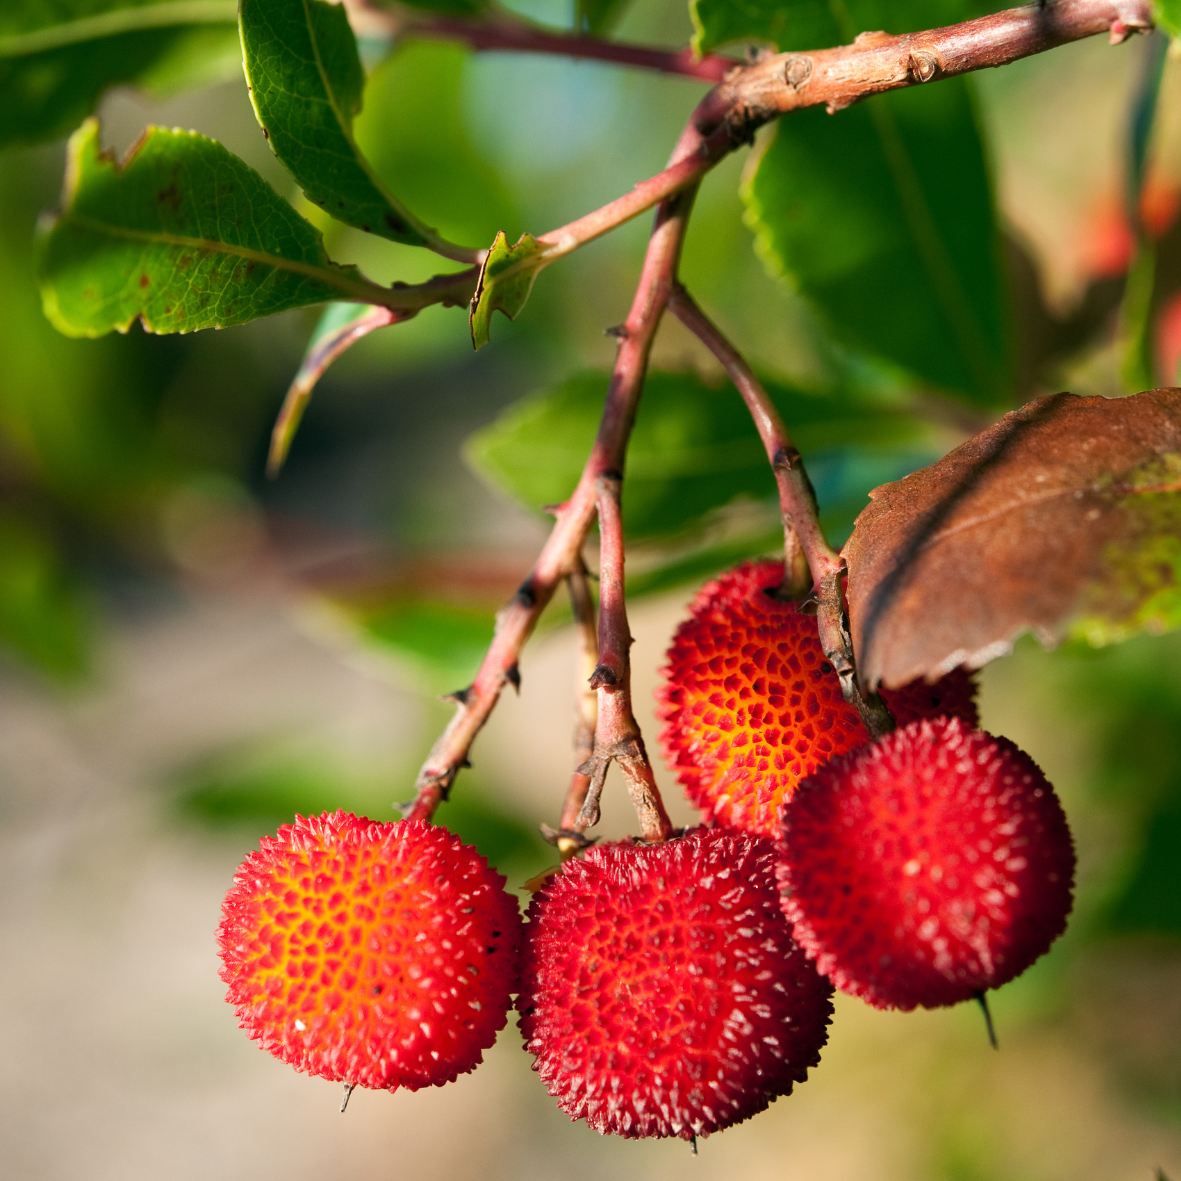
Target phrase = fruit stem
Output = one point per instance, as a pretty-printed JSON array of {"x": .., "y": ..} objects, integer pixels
[
  {"x": 348, "y": 1093},
  {"x": 586, "y": 711},
  {"x": 810, "y": 563},
  {"x": 807, "y": 555},
  {"x": 515, "y": 623},
  {"x": 617, "y": 733}
]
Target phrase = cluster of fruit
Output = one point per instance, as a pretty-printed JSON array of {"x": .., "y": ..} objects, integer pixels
[{"x": 674, "y": 989}]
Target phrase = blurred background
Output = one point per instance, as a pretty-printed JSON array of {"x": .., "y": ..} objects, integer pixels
[{"x": 192, "y": 653}]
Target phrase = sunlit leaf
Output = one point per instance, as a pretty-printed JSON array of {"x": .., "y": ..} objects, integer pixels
[
  {"x": 693, "y": 449},
  {"x": 57, "y": 60},
  {"x": 182, "y": 234},
  {"x": 506, "y": 280},
  {"x": 306, "y": 84},
  {"x": 1063, "y": 518}
]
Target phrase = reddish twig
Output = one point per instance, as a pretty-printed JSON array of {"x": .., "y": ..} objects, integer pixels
[
  {"x": 617, "y": 735},
  {"x": 875, "y": 62},
  {"x": 753, "y": 95},
  {"x": 558, "y": 557},
  {"x": 805, "y": 546},
  {"x": 801, "y": 521},
  {"x": 567, "y": 837},
  {"x": 507, "y": 31}
]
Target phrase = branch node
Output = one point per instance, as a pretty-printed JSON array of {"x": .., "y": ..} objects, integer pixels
[
  {"x": 922, "y": 65},
  {"x": 602, "y": 678},
  {"x": 619, "y": 331},
  {"x": 459, "y": 696},
  {"x": 526, "y": 596},
  {"x": 797, "y": 69},
  {"x": 512, "y": 674}
]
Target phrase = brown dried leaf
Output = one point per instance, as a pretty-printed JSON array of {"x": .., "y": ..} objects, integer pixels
[{"x": 1062, "y": 518}]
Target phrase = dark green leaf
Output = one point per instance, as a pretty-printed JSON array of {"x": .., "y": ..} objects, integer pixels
[
  {"x": 306, "y": 84},
  {"x": 506, "y": 280},
  {"x": 1150, "y": 902},
  {"x": 598, "y": 16},
  {"x": 883, "y": 216},
  {"x": 43, "y": 619},
  {"x": 693, "y": 449},
  {"x": 182, "y": 234},
  {"x": 428, "y": 148},
  {"x": 57, "y": 60},
  {"x": 452, "y": 7},
  {"x": 817, "y": 24}
]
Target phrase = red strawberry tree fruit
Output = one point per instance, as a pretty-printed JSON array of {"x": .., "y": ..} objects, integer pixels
[{"x": 857, "y": 831}]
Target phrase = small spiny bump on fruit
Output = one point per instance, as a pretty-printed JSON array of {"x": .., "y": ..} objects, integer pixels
[
  {"x": 373, "y": 954},
  {"x": 661, "y": 991},
  {"x": 928, "y": 867},
  {"x": 751, "y": 706}
]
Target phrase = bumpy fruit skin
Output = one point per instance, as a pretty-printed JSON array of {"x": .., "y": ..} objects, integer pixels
[
  {"x": 381, "y": 955},
  {"x": 926, "y": 868},
  {"x": 751, "y": 706},
  {"x": 661, "y": 990}
]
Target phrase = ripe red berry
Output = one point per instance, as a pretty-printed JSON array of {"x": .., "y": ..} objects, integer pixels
[
  {"x": 381, "y": 955},
  {"x": 751, "y": 705},
  {"x": 661, "y": 990},
  {"x": 927, "y": 867}
]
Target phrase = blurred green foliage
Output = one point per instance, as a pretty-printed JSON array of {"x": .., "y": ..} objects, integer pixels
[{"x": 694, "y": 449}]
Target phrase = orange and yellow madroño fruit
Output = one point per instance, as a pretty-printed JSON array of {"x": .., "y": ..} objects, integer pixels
[
  {"x": 927, "y": 867},
  {"x": 379, "y": 955},
  {"x": 661, "y": 990},
  {"x": 751, "y": 706}
]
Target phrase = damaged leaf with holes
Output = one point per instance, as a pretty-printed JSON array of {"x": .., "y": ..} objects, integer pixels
[{"x": 181, "y": 234}]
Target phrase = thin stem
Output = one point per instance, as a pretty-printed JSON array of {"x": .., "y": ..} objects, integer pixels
[
  {"x": 876, "y": 62},
  {"x": 508, "y": 32},
  {"x": 681, "y": 173},
  {"x": 801, "y": 521},
  {"x": 617, "y": 735},
  {"x": 808, "y": 556},
  {"x": 586, "y": 712},
  {"x": 558, "y": 557}
]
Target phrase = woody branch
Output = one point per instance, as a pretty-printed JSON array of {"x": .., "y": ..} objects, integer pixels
[
  {"x": 617, "y": 734},
  {"x": 517, "y": 619}
]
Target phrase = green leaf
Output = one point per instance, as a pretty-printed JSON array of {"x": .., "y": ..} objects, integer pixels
[
  {"x": 182, "y": 234},
  {"x": 451, "y": 7},
  {"x": 306, "y": 85},
  {"x": 1167, "y": 14},
  {"x": 506, "y": 279},
  {"x": 598, "y": 16},
  {"x": 693, "y": 449},
  {"x": 816, "y": 24},
  {"x": 442, "y": 643},
  {"x": 43, "y": 619},
  {"x": 882, "y": 215},
  {"x": 340, "y": 327},
  {"x": 57, "y": 60}
]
